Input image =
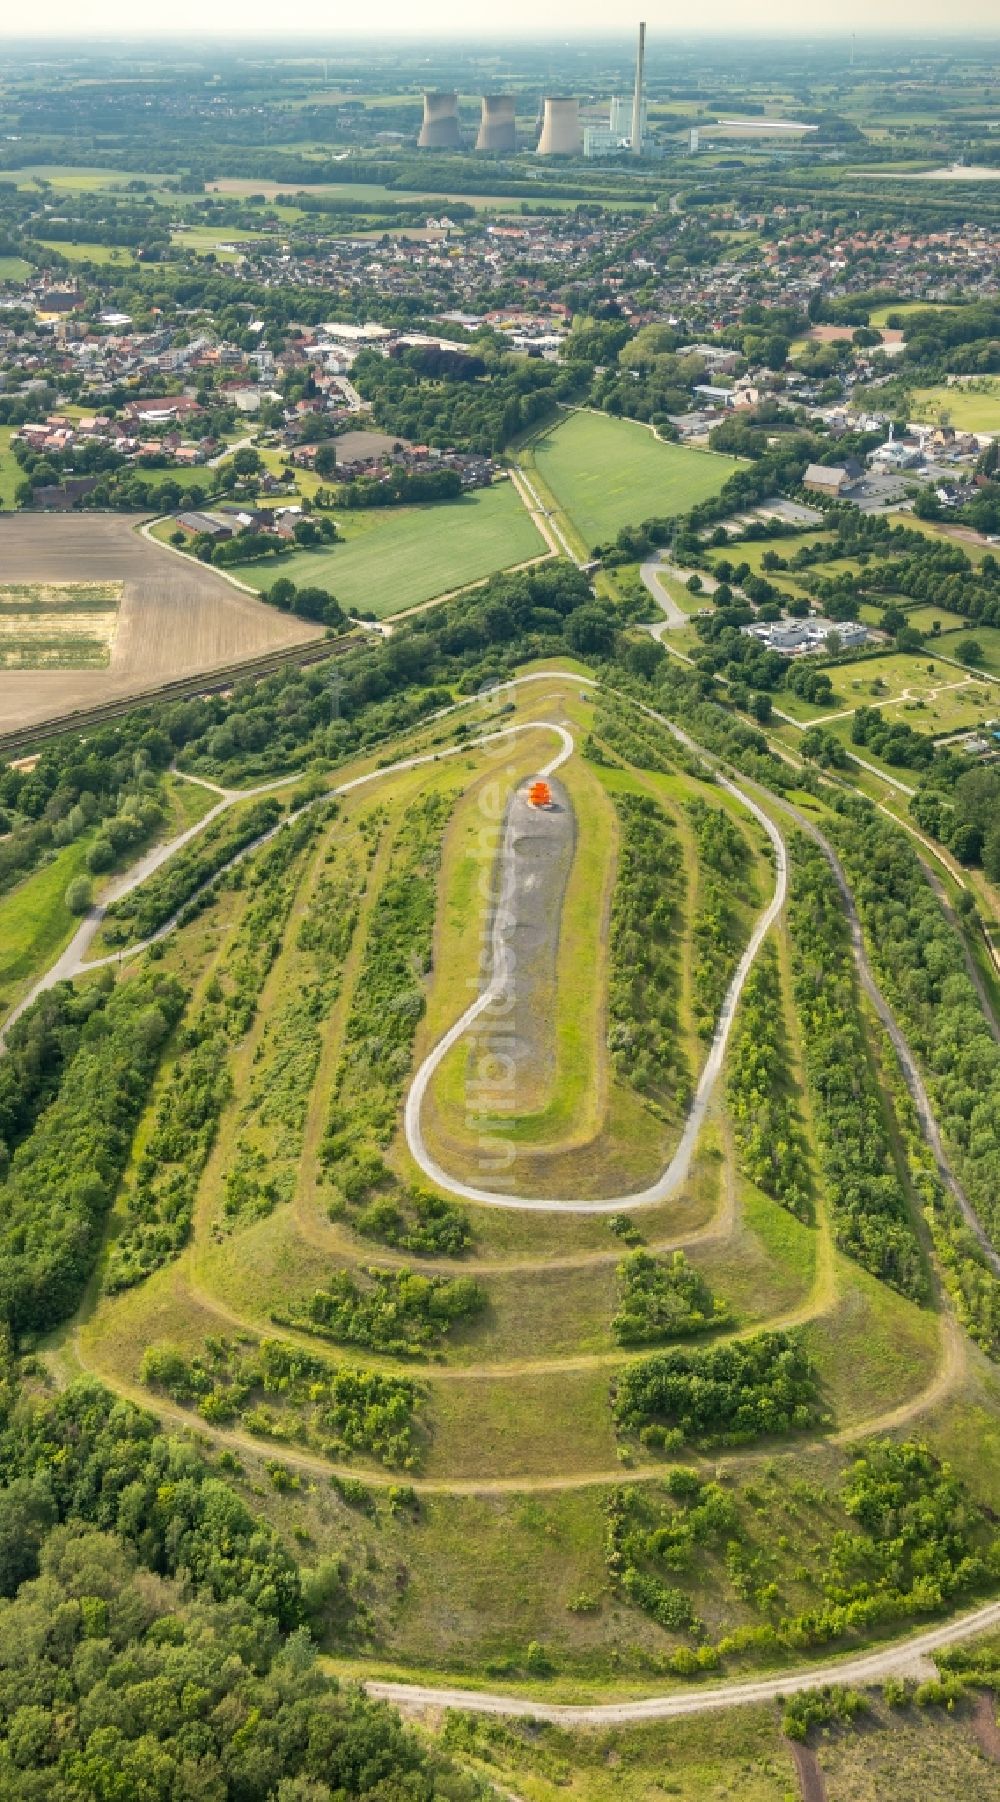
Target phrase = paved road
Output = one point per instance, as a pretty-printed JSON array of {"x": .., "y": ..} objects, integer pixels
[
  {"x": 549, "y": 517},
  {"x": 906, "y": 1658}
]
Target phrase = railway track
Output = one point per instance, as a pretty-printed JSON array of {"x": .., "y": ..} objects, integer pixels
[{"x": 84, "y": 719}]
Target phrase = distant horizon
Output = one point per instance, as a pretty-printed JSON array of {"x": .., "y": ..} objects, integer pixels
[{"x": 112, "y": 24}]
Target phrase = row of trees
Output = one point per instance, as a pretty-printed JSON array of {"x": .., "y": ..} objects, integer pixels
[
  {"x": 644, "y": 1031},
  {"x": 64, "y": 1174},
  {"x": 761, "y": 1093},
  {"x": 145, "y": 909},
  {"x": 919, "y": 960},
  {"x": 158, "y": 1201},
  {"x": 864, "y": 1193}
]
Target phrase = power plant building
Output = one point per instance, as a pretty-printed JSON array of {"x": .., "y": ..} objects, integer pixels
[
  {"x": 561, "y": 135},
  {"x": 497, "y": 128},
  {"x": 621, "y": 118},
  {"x": 439, "y": 130}
]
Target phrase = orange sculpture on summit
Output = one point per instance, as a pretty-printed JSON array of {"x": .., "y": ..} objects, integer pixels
[{"x": 540, "y": 794}]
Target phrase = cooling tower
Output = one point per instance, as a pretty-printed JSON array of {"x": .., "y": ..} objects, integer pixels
[
  {"x": 560, "y": 128},
  {"x": 496, "y": 128},
  {"x": 439, "y": 130}
]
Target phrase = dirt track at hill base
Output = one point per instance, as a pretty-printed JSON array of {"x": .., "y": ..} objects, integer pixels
[{"x": 177, "y": 617}]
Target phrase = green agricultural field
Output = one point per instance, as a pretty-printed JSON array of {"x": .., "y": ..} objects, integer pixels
[
  {"x": 396, "y": 558},
  {"x": 117, "y": 255},
  {"x": 204, "y": 238},
  {"x": 85, "y": 179},
  {"x": 11, "y": 474},
  {"x": 971, "y": 405},
  {"x": 606, "y": 473}
]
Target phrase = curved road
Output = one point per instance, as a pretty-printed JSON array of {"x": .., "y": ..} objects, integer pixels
[
  {"x": 908, "y": 1657},
  {"x": 676, "y": 1172}
]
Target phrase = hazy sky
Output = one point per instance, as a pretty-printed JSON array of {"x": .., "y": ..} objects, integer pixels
[{"x": 516, "y": 17}]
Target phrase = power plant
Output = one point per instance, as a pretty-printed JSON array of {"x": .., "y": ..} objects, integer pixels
[
  {"x": 559, "y": 129},
  {"x": 497, "y": 130},
  {"x": 561, "y": 135},
  {"x": 439, "y": 130}
]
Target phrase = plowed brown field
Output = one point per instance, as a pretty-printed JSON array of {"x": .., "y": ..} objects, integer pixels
[{"x": 177, "y": 617}]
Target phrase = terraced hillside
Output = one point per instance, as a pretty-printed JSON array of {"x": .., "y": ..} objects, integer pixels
[{"x": 529, "y": 1212}]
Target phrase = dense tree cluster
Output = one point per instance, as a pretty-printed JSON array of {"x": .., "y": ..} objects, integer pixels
[
  {"x": 63, "y": 1175},
  {"x": 864, "y": 1193},
  {"x": 107, "y": 783},
  {"x": 479, "y": 415},
  {"x": 397, "y": 1311},
  {"x": 761, "y": 1093},
  {"x": 114, "y": 1683},
  {"x": 156, "y": 1642},
  {"x": 664, "y": 1298},
  {"x": 387, "y": 1004},
  {"x": 919, "y": 960},
  {"x": 401, "y": 488},
  {"x": 157, "y": 1202},
  {"x": 724, "y": 879},
  {"x": 84, "y": 1455},
  {"x": 38, "y": 1048},
  {"x": 281, "y": 1392},
  {"x": 413, "y": 1220},
  {"x": 726, "y": 1395},
  {"x": 644, "y": 1035}
]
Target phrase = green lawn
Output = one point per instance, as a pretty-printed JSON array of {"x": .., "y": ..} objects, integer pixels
[
  {"x": 880, "y": 315},
  {"x": 987, "y": 637},
  {"x": 35, "y": 922},
  {"x": 608, "y": 473},
  {"x": 970, "y": 406},
  {"x": 13, "y": 269},
  {"x": 10, "y": 470},
  {"x": 397, "y": 557},
  {"x": 116, "y": 254}
]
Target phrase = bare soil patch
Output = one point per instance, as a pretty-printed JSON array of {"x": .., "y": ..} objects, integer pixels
[
  {"x": 984, "y": 1726},
  {"x": 176, "y": 617},
  {"x": 812, "y": 1783},
  {"x": 351, "y": 447}
]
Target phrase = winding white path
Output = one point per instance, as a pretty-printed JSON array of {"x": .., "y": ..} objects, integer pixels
[
  {"x": 904, "y": 1658},
  {"x": 676, "y": 1172}
]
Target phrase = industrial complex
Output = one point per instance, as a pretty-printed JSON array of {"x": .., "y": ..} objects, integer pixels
[{"x": 559, "y": 129}]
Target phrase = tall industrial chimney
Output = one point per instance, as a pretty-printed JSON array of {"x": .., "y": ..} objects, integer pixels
[
  {"x": 439, "y": 130},
  {"x": 637, "y": 101},
  {"x": 497, "y": 130},
  {"x": 560, "y": 128}
]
